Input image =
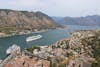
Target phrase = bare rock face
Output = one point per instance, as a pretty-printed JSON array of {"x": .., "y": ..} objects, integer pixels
[{"x": 26, "y": 20}]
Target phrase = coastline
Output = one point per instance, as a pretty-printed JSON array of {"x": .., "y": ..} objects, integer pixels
[
  {"x": 21, "y": 33},
  {"x": 25, "y": 33}
]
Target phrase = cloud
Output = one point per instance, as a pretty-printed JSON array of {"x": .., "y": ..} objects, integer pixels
[{"x": 55, "y": 7}]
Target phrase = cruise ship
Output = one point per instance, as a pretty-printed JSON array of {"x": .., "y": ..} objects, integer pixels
[{"x": 31, "y": 38}]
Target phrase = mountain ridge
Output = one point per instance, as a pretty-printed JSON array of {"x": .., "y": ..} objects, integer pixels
[
  {"x": 26, "y": 19},
  {"x": 89, "y": 20}
]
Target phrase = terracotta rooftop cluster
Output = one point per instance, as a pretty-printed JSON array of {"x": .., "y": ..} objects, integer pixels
[{"x": 25, "y": 61}]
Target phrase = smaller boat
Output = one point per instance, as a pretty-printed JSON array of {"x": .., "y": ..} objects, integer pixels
[
  {"x": 31, "y": 38},
  {"x": 12, "y": 49}
]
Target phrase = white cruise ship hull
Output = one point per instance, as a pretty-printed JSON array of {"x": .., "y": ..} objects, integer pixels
[{"x": 33, "y": 38}]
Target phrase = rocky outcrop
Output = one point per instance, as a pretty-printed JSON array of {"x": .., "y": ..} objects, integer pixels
[
  {"x": 26, "y": 20},
  {"x": 84, "y": 42}
]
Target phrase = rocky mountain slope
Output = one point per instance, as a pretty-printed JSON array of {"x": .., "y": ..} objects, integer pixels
[
  {"x": 88, "y": 20},
  {"x": 26, "y": 20},
  {"x": 86, "y": 44}
]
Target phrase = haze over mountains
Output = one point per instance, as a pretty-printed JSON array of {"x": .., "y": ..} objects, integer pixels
[
  {"x": 87, "y": 21},
  {"x": 25, "y": 19}
]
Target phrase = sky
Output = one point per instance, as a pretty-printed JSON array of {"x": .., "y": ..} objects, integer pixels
[{"x": 61, "y": 8}]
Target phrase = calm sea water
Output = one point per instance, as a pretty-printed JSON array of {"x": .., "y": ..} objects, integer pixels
[{"x": 49, "y": 37}]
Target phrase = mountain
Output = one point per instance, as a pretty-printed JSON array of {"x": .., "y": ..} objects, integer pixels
[
  {"x": 26, "y": 20},
  {"x": 57, "y": 19},
  {"x": 87, "y": 21}
]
